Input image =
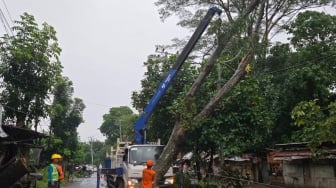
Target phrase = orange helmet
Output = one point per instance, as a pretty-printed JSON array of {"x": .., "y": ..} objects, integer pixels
[{"x": 149, "y": 163}]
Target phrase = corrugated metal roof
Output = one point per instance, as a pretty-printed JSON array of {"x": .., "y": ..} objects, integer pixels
[{"x": 299, "y": 151}]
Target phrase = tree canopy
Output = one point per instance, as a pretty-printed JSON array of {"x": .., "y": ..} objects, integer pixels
[
  {"x": 313, "y": 113},
  {"x": 239, "y": 41},
  {"x": 66, "y": 114},
  {"x": 117, "y": 123},
  {"x": 163, "y": 116},
  {"x": 31, "y": 74},
  {"x": 29, "y": 69}
]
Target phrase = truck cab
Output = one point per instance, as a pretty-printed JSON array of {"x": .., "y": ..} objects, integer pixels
[{"x": 134, "y": 161}]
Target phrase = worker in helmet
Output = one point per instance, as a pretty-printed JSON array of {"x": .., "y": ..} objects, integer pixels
[
  {"x": 148, "y": 175},
  {"x": 55, "y": 172},
  {"x": 60, "y": 171},
  {"x": 52, "y": 171}
]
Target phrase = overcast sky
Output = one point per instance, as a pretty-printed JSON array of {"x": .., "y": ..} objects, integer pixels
[{"x": 104, "y": 44}]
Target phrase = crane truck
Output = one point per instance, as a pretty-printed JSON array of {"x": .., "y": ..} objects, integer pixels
[{"x": 124, "y": 168}]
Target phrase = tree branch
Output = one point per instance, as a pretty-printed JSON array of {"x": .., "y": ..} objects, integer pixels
[
  {"x": 224, "y": 91},
  {"x": 232, "y": 31}
]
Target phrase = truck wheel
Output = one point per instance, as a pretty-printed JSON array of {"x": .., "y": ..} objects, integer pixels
[{"x": 120, "y": 184}]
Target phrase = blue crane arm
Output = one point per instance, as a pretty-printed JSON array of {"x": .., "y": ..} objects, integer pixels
[{"x": 141, "y": 124}]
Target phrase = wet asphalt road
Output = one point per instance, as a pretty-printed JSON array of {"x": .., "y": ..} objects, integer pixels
[{"x": 90, "y": 182}]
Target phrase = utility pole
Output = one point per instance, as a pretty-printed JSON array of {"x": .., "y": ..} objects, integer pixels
[
  {"x": 120, "y": 135},
  {"x": 91, "y": 140}
]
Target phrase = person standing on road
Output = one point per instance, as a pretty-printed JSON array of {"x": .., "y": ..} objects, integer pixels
[
  {"x": 53, "y": 176},
  {"x": 59, "y": 170},
  {"x": 148, "y": 175}
]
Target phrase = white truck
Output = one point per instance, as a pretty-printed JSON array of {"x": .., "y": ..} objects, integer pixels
[{"x": 130, "y": 160}]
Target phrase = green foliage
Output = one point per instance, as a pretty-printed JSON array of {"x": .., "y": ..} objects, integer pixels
[
  {"x": 99, "y": 150},
  {"x": 240, "y": 123},
  {"x": 245, "y": 115},
  {"x": 44, "y": 182},
  {"x": 313, "y": 29},
  {"x": 29, "y": 70},
  {"x": 255, "y": 114},
  {"x": 177, "y": 182},
  {"x": 119, "y": 120},
  {"x": 65, "y": 117},
  {"x": 164, "y": 115},
  {"x": 318, "y": 124},
  {"x": 306, "y": 74},
  {"x": 83, "y": 152}
]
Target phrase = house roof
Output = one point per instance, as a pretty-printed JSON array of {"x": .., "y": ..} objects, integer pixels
[
  {"x": 299, "y": 151},
  {"x": 20, "y": 134}
]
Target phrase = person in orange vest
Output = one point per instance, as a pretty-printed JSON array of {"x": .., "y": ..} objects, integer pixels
[
  {"x": 60, "y": 171},
  {"x": 53, "y": 176},
  {"x": 148, "y": 175}
]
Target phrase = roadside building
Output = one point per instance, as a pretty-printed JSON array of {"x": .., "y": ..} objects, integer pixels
[{"x": 295, "y": 165}]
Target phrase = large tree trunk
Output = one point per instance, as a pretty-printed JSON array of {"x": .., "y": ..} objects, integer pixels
[
  {"x": 177, "y": 137},
  {"x": 269, "y": 13},
  {"x": 171, "y": 150}
]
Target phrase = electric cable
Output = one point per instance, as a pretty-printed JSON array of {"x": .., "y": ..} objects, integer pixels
[
  {"x": 297, "y": 65},
  {"x": 6, "y": 24},
  {"x": 3, "y": 23},
  {"x": 9, "y": 15}
]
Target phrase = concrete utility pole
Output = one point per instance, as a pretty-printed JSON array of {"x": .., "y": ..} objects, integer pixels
[
  {"x": 91, "y": 140},
  {"x": 120, "y": 135}
]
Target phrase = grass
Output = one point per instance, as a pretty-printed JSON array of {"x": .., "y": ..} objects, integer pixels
[{"x": 44, "y": 182}]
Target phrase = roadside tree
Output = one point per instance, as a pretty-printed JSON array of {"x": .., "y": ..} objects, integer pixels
[
  {"x": 246, "y": 31},
  {"x": 29, "y": 69}
]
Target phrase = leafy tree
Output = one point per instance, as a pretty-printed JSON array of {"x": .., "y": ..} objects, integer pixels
[
  {"x": 80, "y": 156},
  {"x": 246, "y": 29},
  {"x": 245, "y": 123},
  {"x": 313, "y": 30},
  {"x": 29, "y": 69},
  {"x": 65, "y": 117},
  {"x": 118, "y": 121},
  {"x": 314, "y": 107},
  {"x": 83, "y": 153},
  {"x": 305, "y": 74},
  {"x": 99, "y": 152},
  {"x": 163, "y": 115},
  {"x": 318, "y": 123}
]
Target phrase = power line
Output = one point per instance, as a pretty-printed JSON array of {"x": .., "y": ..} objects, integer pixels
[
  {"x": 3, "y": 23},
  {"x": 9, "y": 15},
  {"x": 6, "y": 24},
  {"x": 297, "y": 65}
]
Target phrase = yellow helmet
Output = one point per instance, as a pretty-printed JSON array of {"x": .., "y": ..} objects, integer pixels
[{"x": 56, "y": 156}]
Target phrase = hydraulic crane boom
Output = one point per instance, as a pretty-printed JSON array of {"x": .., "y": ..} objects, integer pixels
[{"x": 141, "y": 124}]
